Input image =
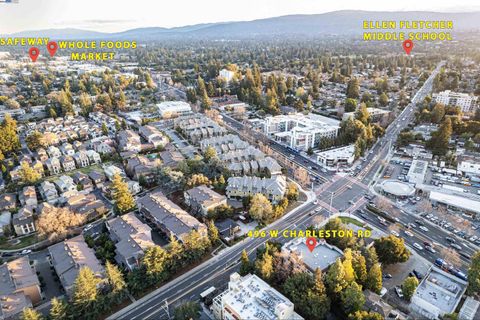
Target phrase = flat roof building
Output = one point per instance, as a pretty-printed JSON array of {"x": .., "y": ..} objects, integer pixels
[
  {"x": 250, "y": 297},
  {"x": 301, "y": 132},
  {"x": 169, "y": 109},
  {"x": 343, "y": 156},
  {"x": 322, "y": 256},
  {"x": 468, "y": 103},
  {"x": 417, "y": 172},
  {"x": 437, "y": 294},
  {"x": 459, "y": 202}
]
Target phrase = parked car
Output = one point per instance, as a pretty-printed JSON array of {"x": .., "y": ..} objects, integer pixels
[
  {"x": 399, "y": 292},
  {"x": 417, "y": 274}
]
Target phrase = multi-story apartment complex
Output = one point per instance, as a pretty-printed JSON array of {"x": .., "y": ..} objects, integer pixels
[
  {"x": 273, "y": 188},
  {"x": 468, "y": 103},
  {"x": 301, "y": 132},
  {"x": 170, "y": 109},
  {"x": 250, "y": 297}
]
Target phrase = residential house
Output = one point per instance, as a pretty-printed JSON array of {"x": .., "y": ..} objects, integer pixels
[
  {"x": 28, "y": 197},
  {"x": 273, "y": 188},
  {"x": 23, "y": 222},
  {"x": 128, "y": 140},
  {"x": 42, "y": 155},
  {"x": 69, "y": 256},
  {"x": 53, "y": 165},
  {"x": 111, "y": 170},
  {"x": 134, "y": 187},
  {"x": 131, "y": 238},
  {"x": 88, "y": 205},
  {"x": 201, "y": 199},
  {"x": 94, "y": 157},
  {"x": 38, "y": 166},
  {"x": 8, "y": 201},
  {"x": 98, "y": 178},
  {"x": 81, "y": 159},
  {"x": 168, "y": 217},
  {"x": 67, "y": 149},
  {"x": 19, "y": 288},
  {"x": 171, "y": 158},
  {"x": 83, "y": 181},
  {"x": 141, "y": 166},
  {"x": 68, "y": 163},
  {"x": 48, "y": 192},
  {"x": 65, "y": 184},
  {"x": 54, "y": 152},
  {"x": 153, "y": 136}
]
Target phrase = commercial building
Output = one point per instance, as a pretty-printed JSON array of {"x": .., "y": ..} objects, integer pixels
[
  {"x": 169, "y": 109},
  {"x": 69, "y": 256},
  {"x": 468, "y": 164},
  {"x": 468, "y": 103},
  {"x": 301, "y": 132},
  {"x": 131, "y": 238},
  {"x": 338, "y": 157},
  {"x": 437, "y": 294},
  {"x": 19, "y": 288},
  {"x": 321, "y": 257},
  {"x": 250, "y": 297},
  {"x": 417, "y": 172},
  {"x": 461, "y": 202},
  {"x": 397, "y": 189},
  {"x": 168, "y": 217},
  {"x": 469, "y": 309}
]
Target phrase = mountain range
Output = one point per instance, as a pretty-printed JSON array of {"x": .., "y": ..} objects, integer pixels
[{"x": 347, "y": 22}]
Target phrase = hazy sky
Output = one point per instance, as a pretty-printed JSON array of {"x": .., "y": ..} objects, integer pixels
[{"x": 119, "y": 15}]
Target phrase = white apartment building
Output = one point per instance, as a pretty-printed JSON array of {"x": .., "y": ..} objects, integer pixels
[
  {"x": 376, "y": 114},
  {"x": 226, "y": 74},
  {"x": 250, "y": 297},
  {"x": 466, "y": 102},
  {"x": 343, "y": 156},
  {"x": 169, "y": 109},
  {"x": 301, "y": 132}
]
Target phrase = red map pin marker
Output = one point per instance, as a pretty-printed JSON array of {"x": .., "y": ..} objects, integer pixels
[
  {"x": 311, "y": 243},
  {"x": 407, "y": 46},
  {"x": 34, "y": 53},
  {"x": 52, "y": 47}
]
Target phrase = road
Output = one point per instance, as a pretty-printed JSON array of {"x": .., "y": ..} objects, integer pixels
[{"x": 339, "y": 193}]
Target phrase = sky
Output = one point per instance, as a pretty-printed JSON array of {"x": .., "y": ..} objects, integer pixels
[{"x": 120, "y": 15}]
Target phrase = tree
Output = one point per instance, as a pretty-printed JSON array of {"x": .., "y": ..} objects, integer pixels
[
  {"x": 116, "y": 283},
  {"x": 348, "y": 266},
  {"x": 374, "y": 278},
  {"x": 438, "y": 112},
  {"x": 55, "y": 222},
  {"x": 353, "y": 89},
  {"x": 264, "y": 266},
  {"x": 292, "y": 192},
  {"x": 85, "y": 103},
  {"x": 352, "y": 298},
  {"x": 245, "y": 266},
  {"x": 409, "y": 286},
  {"x": 391, "y": 250},
  {"x": 197, "y": 180},
  {"x": 154, "y": 261},
  {"x": 210, "y": 153},
  {"x": 474, "y": 275},
  {"x": 360, "y": 267},
  {"x": 261, "y": 209},
  {"x": 362, "y": 114},
  {"x": 85, "y": 293},
  {"x": 28, "y": 175},
  {"x": 124, "y": 200},
  {"x": 335, "y": 278},
  {"x": 440, "y": 139},
  {"x": 30, "y": 314},
  {"x": 365, "y": 315},
  {"x": 213, "y": 232},
  {"x": 350, "y": 105},
  {"x": 187, "y": 311},
  {"x": 9, "y": 140},
  {"x": 383, "y": 99},
  {"x": 59, "y": 309},
  {"x": 35, "y": 140}
]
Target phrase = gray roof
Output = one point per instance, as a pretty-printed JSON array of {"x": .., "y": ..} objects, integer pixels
[{"x": 204, "y": 195}]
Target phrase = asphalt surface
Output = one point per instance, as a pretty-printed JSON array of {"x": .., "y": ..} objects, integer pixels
[{"x": 339, "y": 193}]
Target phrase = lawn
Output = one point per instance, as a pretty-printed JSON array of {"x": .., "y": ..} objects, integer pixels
[
  {"x": 24, "y": 242},
  {"x": 348, "y": 220}
]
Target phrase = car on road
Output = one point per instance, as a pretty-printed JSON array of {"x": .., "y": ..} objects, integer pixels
[
  {"x": 430, "y": 249},
  {"x": 387, "y": 276},
  {"x": 455, "y": 246},
  {"x": 417, "y": 246},
  {"x": 90, "y": 226},
  {"x": 412, "y": 225},
  {"x": 25, "y": 252},
  {"x": 395, "y": 233},
  {"x": 451, "y": 240},
  {"x": 315, "y": 202},
  {"x": 423, "y": 228},
  {"x": 417, "y": 274},
  {"x": 408, "y": 233},
  {"x": 419, "y": 222}
]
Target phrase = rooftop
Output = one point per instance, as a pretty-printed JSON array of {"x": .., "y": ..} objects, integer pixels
[
  {"x": 397, "y": 188},
  {"x": 322, "y": 256}
]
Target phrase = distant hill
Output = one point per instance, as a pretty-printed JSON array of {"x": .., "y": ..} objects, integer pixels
[{"x": 347, "y": 22}]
